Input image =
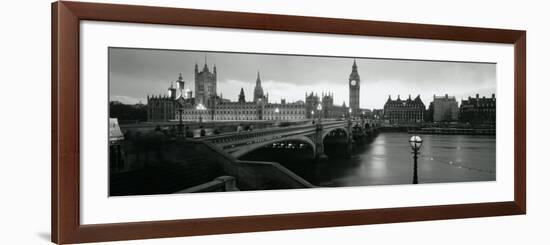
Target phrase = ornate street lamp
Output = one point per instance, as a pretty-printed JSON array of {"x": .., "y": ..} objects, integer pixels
[
  {"x": 416, "y": 143},
  {"x": 277, "y": 113}
]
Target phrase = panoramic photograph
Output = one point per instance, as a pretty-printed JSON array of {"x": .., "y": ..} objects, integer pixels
[{"x": 193, "y": 121}]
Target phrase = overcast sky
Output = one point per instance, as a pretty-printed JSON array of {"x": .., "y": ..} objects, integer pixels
[{"x": 135, "y": 73}]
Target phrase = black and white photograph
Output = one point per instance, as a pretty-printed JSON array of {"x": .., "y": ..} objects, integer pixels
[
  {"x": 275, "y": 122},
  {"x": 195, "y": 121}
]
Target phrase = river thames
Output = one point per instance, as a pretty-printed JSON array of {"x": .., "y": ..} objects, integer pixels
[{"x": 387, "y": 160}]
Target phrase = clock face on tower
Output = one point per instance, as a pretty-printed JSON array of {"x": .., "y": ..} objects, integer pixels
[{"x": 353, "y": 82}]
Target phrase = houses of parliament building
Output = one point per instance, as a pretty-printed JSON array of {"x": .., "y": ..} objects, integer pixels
[{"x": 208, "y": 105}]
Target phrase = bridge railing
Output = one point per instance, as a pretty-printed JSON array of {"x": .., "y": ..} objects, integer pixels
[
  {"x": 219, "y": 184},
  {"x": 255, "y": 175},
  {"x": 227, "y": 137}
]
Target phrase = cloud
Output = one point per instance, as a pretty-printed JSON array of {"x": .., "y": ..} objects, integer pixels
[{"x": 135, "y": 73}]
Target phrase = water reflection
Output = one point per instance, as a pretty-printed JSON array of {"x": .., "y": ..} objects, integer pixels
[{"x": 388, "y": 160}]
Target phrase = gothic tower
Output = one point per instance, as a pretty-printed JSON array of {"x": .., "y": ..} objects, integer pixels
[
  {"x": 258, "y": 90},
  {"x": 311, "y": 105},
  {"x": 327, "y": 102},
  {"x": 205, "y": 85},
  {"x": 354, "y": 87},
  {"x": 172, "y": 92},
  {"x": 181, "y": 86},
  {"x": 241, "y": 96}
]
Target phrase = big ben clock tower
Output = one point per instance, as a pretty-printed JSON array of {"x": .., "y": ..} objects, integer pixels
[{"x": 354, "y": 86}]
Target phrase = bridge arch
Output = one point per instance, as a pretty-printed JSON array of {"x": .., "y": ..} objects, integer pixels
[
  {"x": 327, "y": 132},
  {"x": 249, "y": 148}
]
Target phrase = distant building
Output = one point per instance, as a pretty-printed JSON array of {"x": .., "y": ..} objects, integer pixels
[
  {"x": 284, "y": 111},
  {"x": 172, "y": 106},
  {"x": 378, "y": 114},
  {"x": 478, "y": 110},
  {"x": 404, "y": 111},
  {"x": 330, "y": 110},
  {"x": 229, "y": 111},
  {"x": 443, "y": 109},
  {"x": 161, "y": 108}
]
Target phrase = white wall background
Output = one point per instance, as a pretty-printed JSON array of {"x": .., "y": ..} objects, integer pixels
[{"x": 25, "y": 121}]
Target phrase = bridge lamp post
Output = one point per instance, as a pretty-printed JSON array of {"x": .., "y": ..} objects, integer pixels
[
  {"x": 416, "y": 143},
  {"x": 320, "y": 108},
  {"x": 201, "y": 108},
  {"x": 276, "y": 113},
  {"x": 363, "y": 119},
  {"x": 180, "y": 125}
]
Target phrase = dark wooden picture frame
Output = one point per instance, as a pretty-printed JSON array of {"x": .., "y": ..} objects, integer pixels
[{"x": 66, "y": 17}]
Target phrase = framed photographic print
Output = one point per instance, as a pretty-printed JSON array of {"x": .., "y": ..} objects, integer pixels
[{"x": 177, "y": 122}]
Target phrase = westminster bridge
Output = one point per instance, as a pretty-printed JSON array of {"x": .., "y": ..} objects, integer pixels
[
  {"x": 313, "y": 134},
  {"x": 257, "y": 134},
  {"x": 172, "y": 163}
]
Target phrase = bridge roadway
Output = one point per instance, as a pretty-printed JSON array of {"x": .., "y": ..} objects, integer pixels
[{"x": 240, "y": 143}]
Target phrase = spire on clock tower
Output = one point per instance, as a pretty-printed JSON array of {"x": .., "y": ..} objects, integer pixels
[
  {"x": 258, "y": 90},
  {"x": 354, "y": 73}
]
